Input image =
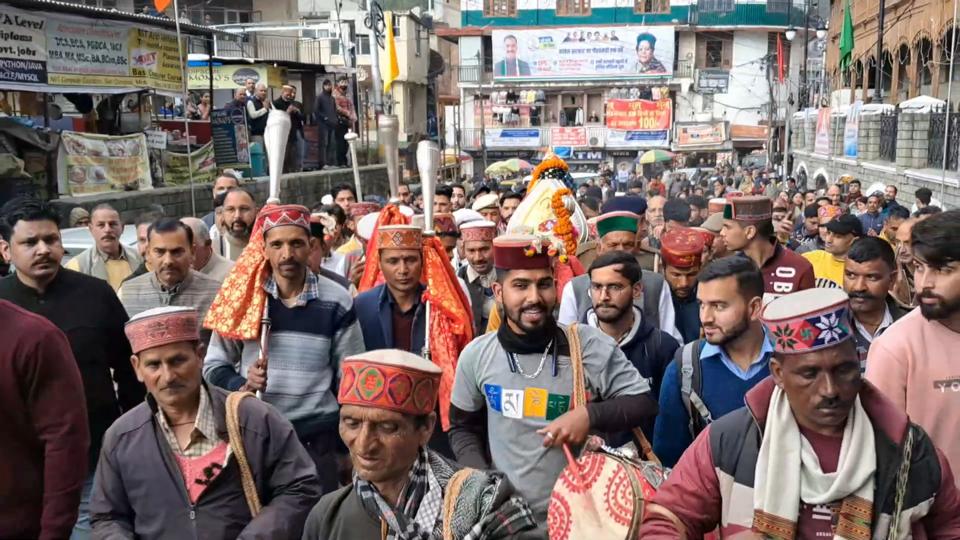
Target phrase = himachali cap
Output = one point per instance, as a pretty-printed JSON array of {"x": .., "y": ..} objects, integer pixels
[
  {"x": 520, "y": 252},
  {"x": 400, "y": 237},
  {"x": 489, "y": 200},
  {"x": 360, "y": 209},
  {"x": 162, "y": 326},
  {"x": 478, "y": 231},
  {"x": 808, "y": 320},
  {"x": 616, "y": 221},
  {"x": 681, "y": 248},
  {"x": 366, "y": 225},
  {"x": 751, "y": 209},
  {"x": 466, "y": 215},
  {"x": 390, "y": 379},
  {"x": 714, "y": 223},
  {"x": 286, "y": 214},
  {"x": 444, "y": 224},
  {"x": 708, "y": 236},
  {"x": 715, "y": 206}
]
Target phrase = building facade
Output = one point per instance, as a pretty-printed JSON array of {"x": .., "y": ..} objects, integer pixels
[{"x": 604, "y": 80}]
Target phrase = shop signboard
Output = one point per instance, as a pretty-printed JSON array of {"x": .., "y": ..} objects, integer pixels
[
  {"x": 177, "y": 166},
  {"x": 230, "y": 77},
  {"x": 43, "y": 50},
  {"x": 88, "y": 163},
  {"x": 584, "y": 53},
  {"x": 851, "y": 130},
  {"x": 568, "y": 136},
  {"x": 231, "y": 142},
  {"x": 23, "y": 46},
  {"x": 512, "y": 137},
  {"x": 156, "y": 139},
  {"x": 713, "y": 81},
  {"x": 701, "y": 134}
]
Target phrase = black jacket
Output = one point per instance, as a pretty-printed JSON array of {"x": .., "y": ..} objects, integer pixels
[
  {"x": 139, "y": 492},
  {"x": 326, "y": 110},
  {"x": 88, "y": 311}
]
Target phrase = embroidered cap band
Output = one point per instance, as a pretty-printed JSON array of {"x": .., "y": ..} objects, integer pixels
[
  {"x": 390, "y": 379},
  {"x": 808, "y": 320},
  {"x": 478, "y": 231},
  {"x": 286, "y": 214},
  {"x": 399, "y": 237},
  {"x": 162, "y": 326}
]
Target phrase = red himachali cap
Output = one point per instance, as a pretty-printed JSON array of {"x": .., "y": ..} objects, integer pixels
[
  {"x": 748, "y": 208},
  {"x": 478, "y": 231},
  {"x": 390, "y": 379},
  {"x": 286, "y": 214},
  {"x": 520, "y": 252},
  {"x": 682, "y": 248},
  {"x": 360, "y": 209},
  {"x": 162, "y": 326}
]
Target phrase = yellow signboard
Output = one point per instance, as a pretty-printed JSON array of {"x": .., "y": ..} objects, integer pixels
[{"x": 233, "y": 76}]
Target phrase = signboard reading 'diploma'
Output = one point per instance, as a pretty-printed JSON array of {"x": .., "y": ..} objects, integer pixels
[{"x": 590, "y": 52}]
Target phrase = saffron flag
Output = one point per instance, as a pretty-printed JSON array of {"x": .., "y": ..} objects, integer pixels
[
  {"x": 161, "y": 5},
  {"x": 393, "y": 71}
]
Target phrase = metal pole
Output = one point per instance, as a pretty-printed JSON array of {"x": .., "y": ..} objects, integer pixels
[
  {"x": 186, "y": 98},
  {"x": 946, "y": 127},
  {"x": 483, "y": 122},
  {"x": 806, "y": 49},
  {"x": 878, "y": 89},
  {"x": 376, "y": 16}
]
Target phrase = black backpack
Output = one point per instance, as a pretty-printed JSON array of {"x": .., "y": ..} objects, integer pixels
[{"x": 687, "y": 360}]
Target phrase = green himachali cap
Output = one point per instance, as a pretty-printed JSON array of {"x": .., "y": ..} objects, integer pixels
[{"x": 616, "y": 221}]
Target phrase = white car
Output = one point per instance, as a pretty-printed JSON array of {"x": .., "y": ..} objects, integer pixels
[{"x": 77, "y": 239}]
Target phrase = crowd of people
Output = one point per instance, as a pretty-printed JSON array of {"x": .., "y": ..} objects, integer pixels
[{"x": 786, "y": 351}]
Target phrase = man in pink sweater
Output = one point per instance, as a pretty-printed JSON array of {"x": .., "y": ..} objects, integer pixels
[{"x": 915, "y": 361}]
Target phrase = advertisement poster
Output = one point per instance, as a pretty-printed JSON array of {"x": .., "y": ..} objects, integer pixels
[
  {"x": 176, "y": 167},
  {"x": 231, "y": 143},
  {"x": 851, "y": 130},
  {"x": 639, "y": 114},
  {"x": 568, "y": 136},
  {"x": 91, "y": 163},
  {"x": 821, "y": 144},
  {"x": 40, "y": 49},
  {"x": 595, "y": 52},
  {"x": 23, "y": 46},
  {"x": 231, "y": 77},
  {"x": 706, "y": 134},
  {"x": 512, "y": 137}
]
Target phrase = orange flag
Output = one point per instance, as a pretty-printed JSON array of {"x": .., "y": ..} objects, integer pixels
[{"x": 161, "y": 5}]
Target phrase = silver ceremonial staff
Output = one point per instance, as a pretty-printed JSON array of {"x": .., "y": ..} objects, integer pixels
[
  {"x": 351, "y": 139},
  {"x": 388, "y": 132},
  {"x": 428, "y": 163}
]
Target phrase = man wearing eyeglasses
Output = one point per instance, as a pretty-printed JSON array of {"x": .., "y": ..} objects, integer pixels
[{"x": 614, "y": 286}]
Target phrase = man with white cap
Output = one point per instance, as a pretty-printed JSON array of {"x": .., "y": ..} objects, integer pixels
[
  {"x": 169, "y": 468},
  {"x": 479, "y": 274},
  {"x": 816, "y": 453},
  {"x": 401, "y": 489},
  {"x": 488, "y": 205}
]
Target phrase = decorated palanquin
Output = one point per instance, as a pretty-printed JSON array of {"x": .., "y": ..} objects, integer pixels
[{"x": 549, "y": 207}]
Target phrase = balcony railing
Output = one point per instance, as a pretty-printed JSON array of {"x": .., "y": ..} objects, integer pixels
[
  {"x": 684, "y": 69},
  {"x": 266, "y": 47}
]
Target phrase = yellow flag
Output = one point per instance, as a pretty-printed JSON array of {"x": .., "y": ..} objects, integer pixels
[{"x": 394, "y": 70}]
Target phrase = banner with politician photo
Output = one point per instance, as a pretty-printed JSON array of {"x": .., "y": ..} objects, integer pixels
[{"x": 593, "y": 52}]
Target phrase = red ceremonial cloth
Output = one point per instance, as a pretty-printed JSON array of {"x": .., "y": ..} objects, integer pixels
[
  {"x": 566, "y": 271},
  {"x": 390, "y": 215},
  {"x": 237, "y": 310},
  {"x": 451, "y": 321}
]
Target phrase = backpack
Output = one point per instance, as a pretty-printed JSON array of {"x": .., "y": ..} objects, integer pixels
[{"x": 688, "y": 365}]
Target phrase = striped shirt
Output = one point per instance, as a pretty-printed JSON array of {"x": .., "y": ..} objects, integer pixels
[
  {"x": 308, "y": 340},
  {"x": 146, "y": 292}
]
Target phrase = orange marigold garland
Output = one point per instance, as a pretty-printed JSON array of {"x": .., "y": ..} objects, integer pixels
[
  {"x": 551, "y": 162},
  {"x": 563, "y": 229}
]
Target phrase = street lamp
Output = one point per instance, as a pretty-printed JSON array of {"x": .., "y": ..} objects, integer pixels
[
  {"x": 790, "y": 33},
  {"x": 821, "y": 30}
]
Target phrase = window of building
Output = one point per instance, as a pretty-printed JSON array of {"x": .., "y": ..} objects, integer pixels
[
  {"x": 487, "y": 53},
  {"x": 499, "y": 8},
  {"x": 418, "y": 39},
  {"x": 714, "y": 50},
  {"x": 716, "y": 6},
  {"x": 651, "y": 6},
  {"x": 707, "y": 102},
  {"x": 778, "y": 6},
  {"x": 772, "y": 51},
  {"x": 396, "y": 26},
  {"x": 363, "y": 44},
  {"x": 573, "y": 7}
]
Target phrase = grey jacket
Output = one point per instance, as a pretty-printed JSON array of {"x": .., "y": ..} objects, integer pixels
[{"x": 139, "y": 492}]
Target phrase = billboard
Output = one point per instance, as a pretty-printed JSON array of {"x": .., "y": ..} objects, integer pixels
[
  {"x": 821, "y": 144},
  {"x": 512, "y": 138},
  {"x": 701, "y": 134},
  {"x": 638, "y": 123},
  {"x": 594, "y": 52}
]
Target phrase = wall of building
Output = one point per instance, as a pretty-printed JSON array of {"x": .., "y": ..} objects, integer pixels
[{"x": 302, "y": 188}]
